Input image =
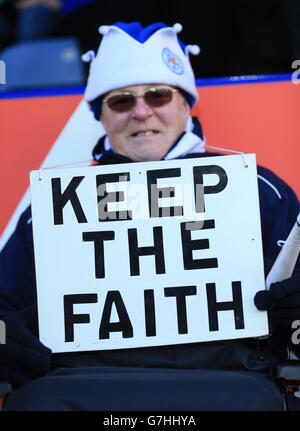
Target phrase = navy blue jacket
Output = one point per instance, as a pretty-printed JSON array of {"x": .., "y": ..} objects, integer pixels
[{"x": 24, "y": 358}]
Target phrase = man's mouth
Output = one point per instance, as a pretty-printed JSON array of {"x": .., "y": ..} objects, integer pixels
[{"x": 145, "y": 133}]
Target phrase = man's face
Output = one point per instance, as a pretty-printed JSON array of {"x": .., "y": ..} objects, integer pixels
[{"x": 145, "y": 133}]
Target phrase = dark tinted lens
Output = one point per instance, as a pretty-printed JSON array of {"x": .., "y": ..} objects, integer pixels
[
  {"x": 158, "y": 96},
  {"x": 121, "y": 102}
]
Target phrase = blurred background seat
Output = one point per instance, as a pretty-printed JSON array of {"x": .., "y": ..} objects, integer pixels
[{"x": 46, "y": 63}]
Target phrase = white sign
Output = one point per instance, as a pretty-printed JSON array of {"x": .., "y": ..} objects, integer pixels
[{"x": 147, "y": 254}]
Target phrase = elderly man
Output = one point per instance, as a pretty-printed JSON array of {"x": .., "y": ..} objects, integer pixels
[{"x": 141, "y": 87}]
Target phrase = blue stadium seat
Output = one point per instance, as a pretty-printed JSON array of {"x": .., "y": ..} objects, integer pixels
[{"x": 44, "y": 63}]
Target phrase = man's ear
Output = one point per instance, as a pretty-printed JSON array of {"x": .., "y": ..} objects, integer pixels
[{"x": 187, "y": 109}]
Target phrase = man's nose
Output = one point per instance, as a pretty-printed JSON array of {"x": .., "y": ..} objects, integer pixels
[{"x": 141, "y": 109}]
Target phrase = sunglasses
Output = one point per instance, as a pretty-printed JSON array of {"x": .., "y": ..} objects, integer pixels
[{"x": 154, "y": 97}]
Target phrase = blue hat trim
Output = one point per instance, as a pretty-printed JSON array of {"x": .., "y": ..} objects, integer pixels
[
  {"x": 141, "y": 34},
  {"x": 96, "y": 107}
]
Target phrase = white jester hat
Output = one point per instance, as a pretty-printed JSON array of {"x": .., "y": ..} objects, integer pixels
[{"x": 130, "y": 55}]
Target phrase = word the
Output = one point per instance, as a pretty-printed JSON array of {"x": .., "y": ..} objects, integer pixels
[{"x": 157, "y": 249}]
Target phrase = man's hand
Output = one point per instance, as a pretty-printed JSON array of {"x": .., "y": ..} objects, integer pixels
[
  {"x": 282, "y": 301},
  {"x": 23, "y": 357}
]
